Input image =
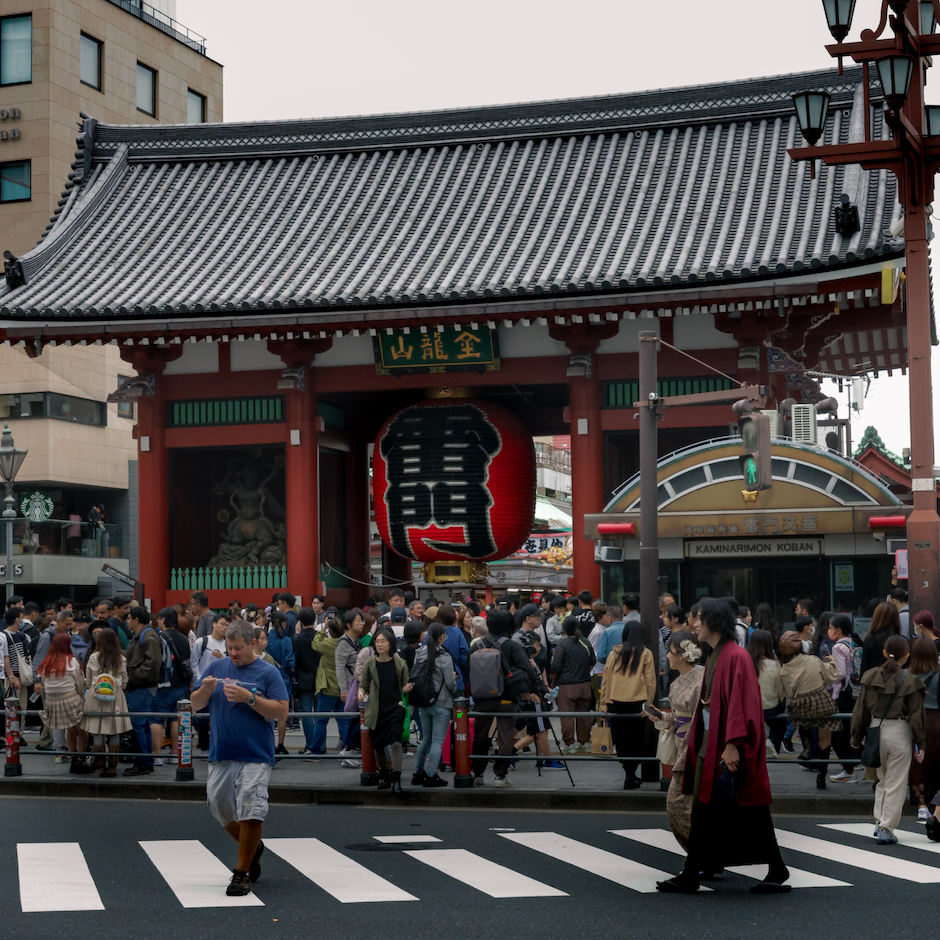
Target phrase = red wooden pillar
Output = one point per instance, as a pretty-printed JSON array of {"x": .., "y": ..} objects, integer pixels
[
  {"x": 302, "y": 484},
  {"x": 587, "y": 443},
  {"x": 153, "y": 474},
  {"x": 587, "y": 477}
]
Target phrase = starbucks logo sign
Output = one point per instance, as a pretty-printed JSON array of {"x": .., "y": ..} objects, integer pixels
[{"x": 37, "y": 507}]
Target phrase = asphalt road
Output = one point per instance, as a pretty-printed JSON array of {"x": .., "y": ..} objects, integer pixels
[{"x": 515, "y": 874}]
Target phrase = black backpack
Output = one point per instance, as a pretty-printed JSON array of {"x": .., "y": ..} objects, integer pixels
[{"x": 424, "y": 695}]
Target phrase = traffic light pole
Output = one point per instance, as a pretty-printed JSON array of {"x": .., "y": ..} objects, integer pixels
[{"x": 649, "y": 484}]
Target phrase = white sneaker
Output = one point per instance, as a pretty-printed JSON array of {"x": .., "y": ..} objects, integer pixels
[
  {"x": 478, "y": 780},
  {"x": 503, "y": 782},
  {"x": 771, "y": 750},
  {"x": 158, "y": 762},
  {"x": 349, "y": 752},
  {"x": 172, "y": 759},
  {"x": 351, "y": 764},
  {"x": 572, "y": 748},
  {"x": 844, "y": 777},
  {"x": 923, "y": 814},
  {"x": 586, "y": 747}
]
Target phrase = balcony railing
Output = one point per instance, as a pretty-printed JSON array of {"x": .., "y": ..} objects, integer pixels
[
  {"x": 553, "y": 457},
  {"x": 163, "y": 22},
  {"x": 64, "y": 537}
]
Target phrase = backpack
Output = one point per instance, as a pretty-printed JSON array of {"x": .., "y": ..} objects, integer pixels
[
  {"x": 486, "y": 672},
  {"x": 424, "y": 695},
  {"x": 103, "y": 690},
  {"x": 166, "y": 669},
  {"x": 855, "y": 666}
]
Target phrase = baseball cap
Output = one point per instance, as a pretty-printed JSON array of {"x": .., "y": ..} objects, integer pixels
[{"x": 398, "y": 615}]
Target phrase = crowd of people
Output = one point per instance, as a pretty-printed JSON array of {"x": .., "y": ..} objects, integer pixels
[{"x": 407, "y": 663}]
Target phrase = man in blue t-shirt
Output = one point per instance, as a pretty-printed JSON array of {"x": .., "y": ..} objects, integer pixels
[{"x": 246, "y": 696}]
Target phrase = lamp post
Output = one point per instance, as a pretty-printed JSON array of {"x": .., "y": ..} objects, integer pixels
[
  {"x": 901, "y": 57},
  {"x": 11, "y": 459}
]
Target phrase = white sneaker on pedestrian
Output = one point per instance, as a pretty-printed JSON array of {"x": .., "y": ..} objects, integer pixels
[
  {"x": 349, "y": 752},
  {"x": 350, "y": 764},
  {"x": 884, "y": 837},
  {"x": 158, "y": 762},
  {"x": 172, "y": 759},
  {"x": 771, "y": 750},
  {"x": 844, "y": 777},
  {"x": 503, "y": 782},
  {"x": 586, "y": 747},
  {"x": 478, "y": 780},
  {"x": 923, "y": 814},
  {"x": 572, "y": 748}
]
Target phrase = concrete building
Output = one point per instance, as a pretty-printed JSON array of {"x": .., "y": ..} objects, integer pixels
[{"x": 120, "y": 61}]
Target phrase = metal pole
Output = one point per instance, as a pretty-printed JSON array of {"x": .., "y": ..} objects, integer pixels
[
  {"x": 649, "y": 534},
  {"x": 9, "y": 514}
]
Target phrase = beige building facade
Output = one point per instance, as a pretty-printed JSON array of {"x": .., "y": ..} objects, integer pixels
[{"x": 121, "y": 62}]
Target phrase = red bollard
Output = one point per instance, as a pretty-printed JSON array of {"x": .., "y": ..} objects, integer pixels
[
  {"x": 463, "y": 778},
  {"x": 369, "y": 777},
  {"x": 13, "y": 767},
  {"x": 184, "y": 742}
]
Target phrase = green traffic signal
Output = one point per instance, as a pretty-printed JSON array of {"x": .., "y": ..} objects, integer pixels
[{"x": 751, "y": 476}]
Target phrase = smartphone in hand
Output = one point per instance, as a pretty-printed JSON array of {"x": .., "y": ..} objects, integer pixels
[{"x": 654, "y": 713}]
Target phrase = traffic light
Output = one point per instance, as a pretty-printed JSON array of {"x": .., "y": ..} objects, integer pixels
[{"x": 756, "y": 459}]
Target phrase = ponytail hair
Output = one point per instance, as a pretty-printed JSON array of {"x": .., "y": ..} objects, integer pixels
[{"x": 896, "y": 648}]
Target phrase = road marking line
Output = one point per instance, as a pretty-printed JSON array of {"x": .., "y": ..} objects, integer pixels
[
  {"x": 402, "y": 840},
  {"x": 484, "y": 875},
  {"x": 194, "y": 874},
  {"x": 913, "y": 840},
  {"x": 880, "y": 862},
  {"x": 54, "y": 876},
  {"x": 615, "y": 868},
  {"x": 665, "y": 840},
  {"x": 346, "y": 880}
]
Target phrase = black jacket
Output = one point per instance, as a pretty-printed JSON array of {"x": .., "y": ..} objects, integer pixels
[{"x": 306, "y": 660}]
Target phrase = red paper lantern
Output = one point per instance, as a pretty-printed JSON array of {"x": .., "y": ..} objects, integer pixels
[{"x": 454, "y": 479}]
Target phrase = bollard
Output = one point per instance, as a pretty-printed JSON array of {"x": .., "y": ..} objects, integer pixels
[
  {"x": 463, "y": 778},
  {"x": 13, "y": 767},
  {"x": 184, "y": 742},
  {"x": 369, "y": 777}
]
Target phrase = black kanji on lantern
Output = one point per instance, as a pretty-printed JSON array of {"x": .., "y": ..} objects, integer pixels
[{"x": 437, "y": 465}]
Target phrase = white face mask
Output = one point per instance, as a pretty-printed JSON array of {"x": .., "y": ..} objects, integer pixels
[{"x": 812, "y": 630}]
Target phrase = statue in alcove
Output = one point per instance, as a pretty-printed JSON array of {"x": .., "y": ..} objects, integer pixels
[{"x": 256, "y": 529}]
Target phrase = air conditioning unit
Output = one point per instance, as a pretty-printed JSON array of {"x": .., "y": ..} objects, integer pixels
[
  {"x": 609, "y": 554},
  {"x": 775, "y": 422},
  {"x": 803, "y": 424}
]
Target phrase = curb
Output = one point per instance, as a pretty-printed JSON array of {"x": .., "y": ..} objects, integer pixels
[{"x": 475, "y": 798}]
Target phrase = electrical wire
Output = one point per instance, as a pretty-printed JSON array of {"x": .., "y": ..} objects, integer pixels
[
  {"x": 724, "y": 375},
  {"x": 331, "y": 570}
]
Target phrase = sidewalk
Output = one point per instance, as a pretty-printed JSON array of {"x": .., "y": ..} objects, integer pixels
[{"x": 598, "y": 786}]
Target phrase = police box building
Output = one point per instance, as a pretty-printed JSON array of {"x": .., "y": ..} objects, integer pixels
[{"x": 415, "y": 296}]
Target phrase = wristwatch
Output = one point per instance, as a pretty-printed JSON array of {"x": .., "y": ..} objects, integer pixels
[{"x": 251, "y": 698}]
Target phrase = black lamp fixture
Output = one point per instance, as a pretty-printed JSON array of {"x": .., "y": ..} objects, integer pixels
[
  {"x": 898, "y": 6},
  {"x": 846, "y": 217},
  {"x": 812, "y": 109},
  {"x": 839, "y": 17},
  {"x": 895, "y": 72},
  {"x": 928, "y": 18},
  {"x": 933, "y": 120}
]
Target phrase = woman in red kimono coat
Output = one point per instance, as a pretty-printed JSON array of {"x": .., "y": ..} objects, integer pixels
[{"x": 730, "y": 789}]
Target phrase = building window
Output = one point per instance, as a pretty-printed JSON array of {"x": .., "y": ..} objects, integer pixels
[
  {"x": 90, "y": 73},
  {"x": 16, "y": 50},
  {"x": 146, "y": 90},
  {"x": 15, "y": 183},
  {"x": 53, "y": 405},
  {"x": 195, "y": 107},
  {"x": 125, "y": 409}
]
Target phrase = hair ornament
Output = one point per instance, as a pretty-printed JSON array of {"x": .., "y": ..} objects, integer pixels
[{"x": 691, "y": 652}]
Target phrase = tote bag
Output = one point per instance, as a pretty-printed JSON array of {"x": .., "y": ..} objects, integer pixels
[{"x": 601, "y": 741}]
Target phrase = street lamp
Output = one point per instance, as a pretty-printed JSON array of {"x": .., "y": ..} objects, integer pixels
[
  {"x": 839, "y": 17},
  {"x": 11, "y": 459},
  {"x": 812, "y": 109},
  {"x": 912, "y": 154},
  {"x": 895, "y": 72}
]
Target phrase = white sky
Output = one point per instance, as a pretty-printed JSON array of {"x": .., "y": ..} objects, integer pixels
[{"x": 310, "y": 58}]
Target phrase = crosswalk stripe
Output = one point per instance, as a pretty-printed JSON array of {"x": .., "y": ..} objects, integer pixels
[
  {"x": 404, "y": 840},
  {"x": 913, "y": 840},
  {"x": 194, "y": 874},
  {"x": 484, "y": 875},
  {"x": 54, "y": 876},
  {"x": 615, "y": 868},
  {"x": 880, "y": 862},
  {"x": 664, "y": 839},
  {"x": 348, "y": 881}
]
